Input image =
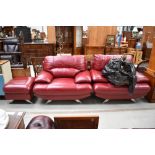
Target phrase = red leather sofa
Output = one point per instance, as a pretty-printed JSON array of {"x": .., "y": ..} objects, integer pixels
[
  {"x": 104, "y": 89},
  {"x": 63, "y": 78}
]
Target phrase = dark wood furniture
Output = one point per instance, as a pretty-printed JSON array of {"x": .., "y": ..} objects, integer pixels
[
  {"x": 90, "y": 50},
  {"x": 127, "y": 34},
  {"x": 132, "y": 43},
  {"x": 114, "y": 50},
  {"x": 29, "y": 50},
  {"x": 9, "y": 50},
  {"x": 76, "y": 122},
  {"x": 67, "y": 33},
  {"x": 37, "y": 64},
  {"x": 16, "y": 120},
  {"x": 150, "y": 73}
]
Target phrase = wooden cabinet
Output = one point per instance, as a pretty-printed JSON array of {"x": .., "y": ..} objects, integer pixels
[
  {"x": 5, "y": 74},
  {"x": 30, "y": 50},
  {"x": 115, "y": 50},
  {"x": 151, "y": 95},
  {"x": 67, "y": 33},
  {"x": 91, "y": 50},
  {"x": 150, "y": 73}
]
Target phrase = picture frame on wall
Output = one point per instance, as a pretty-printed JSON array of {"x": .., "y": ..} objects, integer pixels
[{"x": 110, "y": 41}]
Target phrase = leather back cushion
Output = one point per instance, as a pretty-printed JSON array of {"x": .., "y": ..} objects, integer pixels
[
  {"x": 64, "y": 72},
  {"x": 99, "y": 60},
  {"x": 64, "y": 66}
]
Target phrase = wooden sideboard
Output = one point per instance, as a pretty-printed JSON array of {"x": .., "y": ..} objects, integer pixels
[
  {"x": 30, "y": 50},
  {"x": 150, "y": 73},
  {"x": 91, "y": 50}
]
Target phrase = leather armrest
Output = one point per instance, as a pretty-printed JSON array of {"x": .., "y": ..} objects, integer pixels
[
  {"x": 83, "y": 77},
  {"x": 141, "y": 77},
  {"x": 44, "y": 77}
]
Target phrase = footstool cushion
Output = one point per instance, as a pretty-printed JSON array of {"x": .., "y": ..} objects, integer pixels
[
  {"x": 41, "y": 122},
  {"x": 19, "y": 88}
]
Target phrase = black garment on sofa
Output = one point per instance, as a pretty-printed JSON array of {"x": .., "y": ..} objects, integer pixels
[{"x": 120, "y": 72}]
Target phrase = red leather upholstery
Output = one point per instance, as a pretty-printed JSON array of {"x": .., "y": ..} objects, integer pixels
[
  {"x": 97, "y": 76},
  {"x": 71, "y": 80},
  {"x": 83, "y": 77},
  {"x": 141, "y": 77},
  {"x": 19, "y": 88},
  {"x": 44, "y": 77},
  {"x": 106, "y": 90}
]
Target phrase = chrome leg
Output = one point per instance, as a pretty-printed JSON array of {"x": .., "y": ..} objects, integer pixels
[
  {"x": 48, "y": 101},
  {"x": 10, "y": 101},
  {"x": 133, "y": 100},
  {"x": 78, "y": 101},
  {"x": 29, "y": 101},
  {"x": 105, "y": 101}
]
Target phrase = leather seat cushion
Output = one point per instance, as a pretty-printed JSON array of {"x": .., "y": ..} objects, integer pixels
[
  {"x": 110, "y": 89},
  {"x": 19, "y": 85},
  {"x": 62, "y": 86}
]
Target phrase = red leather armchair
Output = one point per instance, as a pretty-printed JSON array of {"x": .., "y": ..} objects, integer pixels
[
  {"x": 104, "y": 89},
  {"x": 63, "y": 78}
]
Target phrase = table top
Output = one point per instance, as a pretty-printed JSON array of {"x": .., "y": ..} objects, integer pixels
[{"x": 15, "y": 118}]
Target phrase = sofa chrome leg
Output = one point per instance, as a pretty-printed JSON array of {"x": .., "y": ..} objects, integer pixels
[
  {"x": 78, "y": 101},
  {"x": 105, "y": 101},
  {"x": 29, "y": 101},
  {"x": 10, "y": 101},
  {"x": 48, "y": 101},
  {"x": 133, "y": 100}
]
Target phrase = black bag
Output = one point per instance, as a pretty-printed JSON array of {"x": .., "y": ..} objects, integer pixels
[{"x": 120, "y": 72}]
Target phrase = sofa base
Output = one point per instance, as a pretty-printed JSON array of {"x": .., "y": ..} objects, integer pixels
[
  {"x": 109, "y": 91},
  {"x": 61, "y": 97},
  {"x": 18, "y": 96}
]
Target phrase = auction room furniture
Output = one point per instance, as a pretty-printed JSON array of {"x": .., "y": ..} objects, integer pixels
[
  {"x": 63, "y": 78},
  {"x": 106, "y": 90},
  {"x": 109, "y": 50},
  {"x": 10, "y": 50},
  {"x": 76, "y": 122},
  {"x": 132, "y": 43},
  {"x": 5, "y": 74},
  {"x": 150, "y": 73},
  {"x": 16, "y": 120},
  {"x": 30, "y": 50},
  {"x": 41, "y": 122},
  {"x": 19, "y": 88},
  {"x": 90, "y": 50}
]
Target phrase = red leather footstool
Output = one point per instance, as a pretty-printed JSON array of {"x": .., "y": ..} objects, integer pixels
[
  {"x": 41, "y": 122},
  {"x": 19, "y": 88}
]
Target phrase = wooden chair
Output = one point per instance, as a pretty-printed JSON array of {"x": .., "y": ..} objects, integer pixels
[
  {"x": 37, "y": 64},
  {"x": 76, "y": 122}
]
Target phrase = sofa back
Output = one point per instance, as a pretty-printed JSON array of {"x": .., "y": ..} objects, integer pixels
[
  {"x": 99, "y": 61},
  {"x": 64, "y": 65}
]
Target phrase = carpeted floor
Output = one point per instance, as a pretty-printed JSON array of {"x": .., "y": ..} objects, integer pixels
[{"x": 112, "y": 115}]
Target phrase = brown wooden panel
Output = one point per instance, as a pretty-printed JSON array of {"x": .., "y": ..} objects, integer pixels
[
  {"x": 18, "y": 72},
  {"x": 94, "y": 50},
  {"x": 97, "y": 35},
  {"x": 51, "y": 36},
  {"x": 29, "y": 50},
  {"x": 152, "y": 57},
  {"x": 76, "y": 122}
]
